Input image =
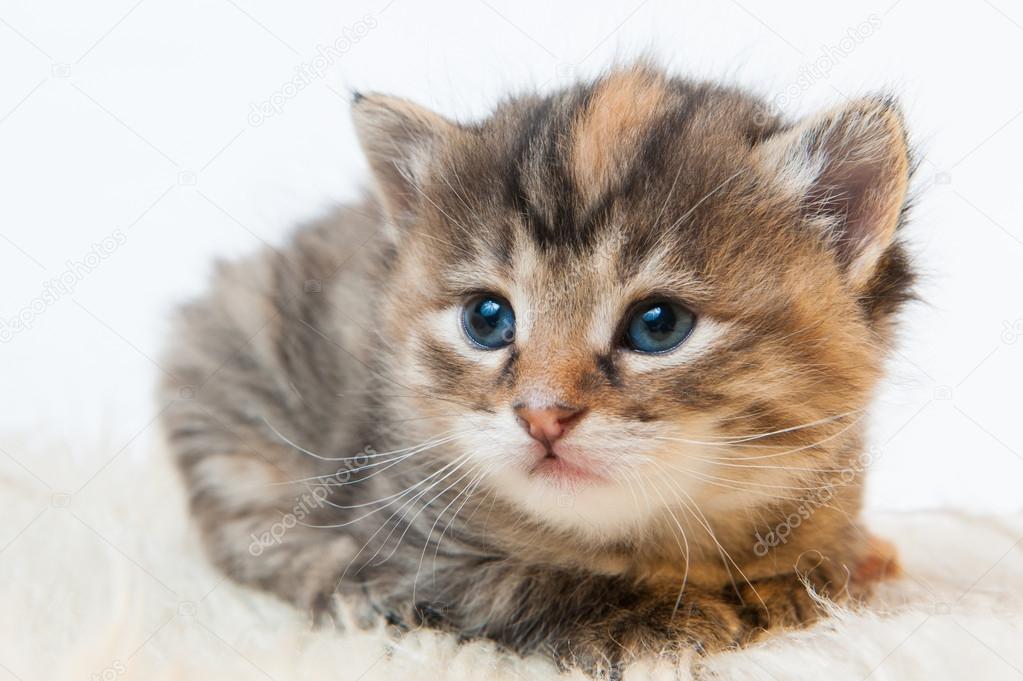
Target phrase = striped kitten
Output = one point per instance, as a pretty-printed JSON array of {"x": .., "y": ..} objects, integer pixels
[{"x": 587, "y": 377}]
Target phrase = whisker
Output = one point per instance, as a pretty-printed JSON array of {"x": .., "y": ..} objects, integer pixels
[
  {"x": 302, "y": 449},
  {"x": 702, "y": 519},
  {"x": 408, "y": 525},
  {"x": 394, "y": 497},
  {"x": 330, "y": 479},
  {"x": 471, "y": 490},
  {"x": 352, "y": 482},
  {"x": 426, "y": 544},
  {"x": 800, "y": 448},
  {"x": 747, "y": 482},
  {"x": 731, "y": 440},
  {"x": 702, "y": 477},
  {"x": 716, "y": 462},
  {"x": 685, "y": 550},
  {"x": 351, "y": 562},
  {"x": 394, "y": 462}
]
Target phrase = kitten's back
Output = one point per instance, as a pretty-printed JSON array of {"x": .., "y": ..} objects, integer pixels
[{"x": 275, "y": 350}]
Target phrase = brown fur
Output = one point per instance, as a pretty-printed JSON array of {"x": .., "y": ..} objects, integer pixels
[
  {"x": 780, "y": 236},
  {"x": 605, "y": 137}
]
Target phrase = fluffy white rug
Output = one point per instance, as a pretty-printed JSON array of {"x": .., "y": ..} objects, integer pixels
[{"x": 102, "y": 578}]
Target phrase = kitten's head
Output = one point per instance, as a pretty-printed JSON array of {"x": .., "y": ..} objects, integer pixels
[{"x": 639, "y": 293}]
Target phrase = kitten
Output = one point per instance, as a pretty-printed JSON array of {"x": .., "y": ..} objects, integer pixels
[{"x": 557, "y": 380}]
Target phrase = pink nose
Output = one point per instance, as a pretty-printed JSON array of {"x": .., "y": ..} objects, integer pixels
[{"x": 547, "y": 424}]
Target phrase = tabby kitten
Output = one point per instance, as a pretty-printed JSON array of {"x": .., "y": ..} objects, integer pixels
[{"x": 554, "y": 383}]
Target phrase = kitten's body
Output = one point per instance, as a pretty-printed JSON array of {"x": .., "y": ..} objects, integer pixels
[{"x": 572, "y": 206}]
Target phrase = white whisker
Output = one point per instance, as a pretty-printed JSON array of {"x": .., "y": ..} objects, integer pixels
[{"x": 702, "y": 519}]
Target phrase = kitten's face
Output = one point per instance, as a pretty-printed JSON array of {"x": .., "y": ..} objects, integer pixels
[{"x": 617, "y": 297}]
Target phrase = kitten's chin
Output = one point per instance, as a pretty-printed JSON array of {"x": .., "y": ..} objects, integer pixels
[{"x": 568, "y": 496}]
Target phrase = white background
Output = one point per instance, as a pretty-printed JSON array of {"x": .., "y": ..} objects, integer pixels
[{"x": 135, "y": 116}]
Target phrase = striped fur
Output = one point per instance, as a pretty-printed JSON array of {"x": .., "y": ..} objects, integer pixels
[{"x": 303, "y": 368}]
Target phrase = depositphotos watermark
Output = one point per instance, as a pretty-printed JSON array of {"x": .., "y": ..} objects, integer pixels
[
  {"x": 1012, "y": 331},
  {"x": 300, "y": 511},
  {"x": 820, "y": 496},
  {"x": 820, "y": 68},
  {"x": 309, "y": 501},
  {"x": 114, "y": 670},
  {"x": 62, "y": 285},
  {"x": 311, "y": 71}
]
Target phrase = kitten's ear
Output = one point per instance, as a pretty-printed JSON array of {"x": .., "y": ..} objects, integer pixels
[
  {"x": 851, "y": 167},
  {"x": 399, "y": 139}
]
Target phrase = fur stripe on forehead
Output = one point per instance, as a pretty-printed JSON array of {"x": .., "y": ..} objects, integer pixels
[{"x": 607, "y": 133}]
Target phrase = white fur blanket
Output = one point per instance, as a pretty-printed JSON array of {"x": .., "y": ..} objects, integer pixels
[{"x": 102, "y": 578}]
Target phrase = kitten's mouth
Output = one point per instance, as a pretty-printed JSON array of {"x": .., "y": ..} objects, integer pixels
[{"x": 559, "y": 469}]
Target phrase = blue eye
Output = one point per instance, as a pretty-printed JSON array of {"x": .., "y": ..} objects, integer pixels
[
  {"x": 658, "y": 326},
  {"x": 489, "y": 321}
]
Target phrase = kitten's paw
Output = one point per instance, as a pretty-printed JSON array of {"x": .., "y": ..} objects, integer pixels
[
  {"x": 705, "y": 622},
  {"x": 797, "y": 599},
  {"x": 344, "y": 611},
  {"x": 319, "y": 583},
  {"x": 880, "y": 562},
  {"x": 701, "y": 623}
]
